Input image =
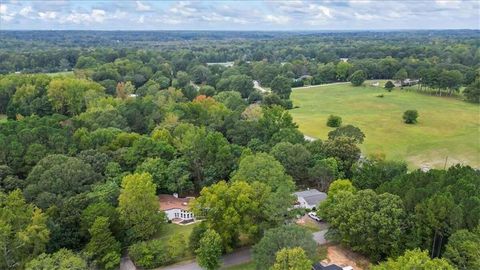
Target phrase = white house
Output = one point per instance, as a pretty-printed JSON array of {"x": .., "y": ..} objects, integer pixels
[
  {"x": 176, "y": 209},
  {"x": 309, "y": 199}
]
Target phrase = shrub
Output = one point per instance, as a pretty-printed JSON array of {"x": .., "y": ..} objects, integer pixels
[
  {"x": 158, "y": 252},
  {"x": 358, "y": 77},
  {"x": 389, "y": 86},
  {"x": 410, "y": 116},
  {"x": 334, "y": 121}
]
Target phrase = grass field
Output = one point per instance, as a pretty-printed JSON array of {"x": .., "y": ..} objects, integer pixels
[
  {"x": 3, "y": 118},
  {"x": 446, "y": 126}
]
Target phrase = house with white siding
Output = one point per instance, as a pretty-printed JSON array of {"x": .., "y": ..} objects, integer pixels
[{"x": 176, "y": 209}]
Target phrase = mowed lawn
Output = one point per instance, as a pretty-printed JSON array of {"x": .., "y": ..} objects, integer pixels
[{"x": 446, "y": 126}]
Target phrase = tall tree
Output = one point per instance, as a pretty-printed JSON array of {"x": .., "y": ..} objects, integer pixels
[
  {"x": 138, "y": 207},
  {"x": 282, "y": 87},
  {"x": 63, "y": 259},
  {"x": 414, "y": 259},
  {"x": 274, "y": 240},
  {"x": 23, "y": 231},
  {"x": 209, "y": 250},
  {"x": 292, "y": 259},
  {"x": 103, "y": 247}
]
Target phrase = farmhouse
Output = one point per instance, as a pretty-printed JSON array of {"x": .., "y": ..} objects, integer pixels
[
  {"x": 309, "y": 199},
  {"x": 176, "y": 208}
]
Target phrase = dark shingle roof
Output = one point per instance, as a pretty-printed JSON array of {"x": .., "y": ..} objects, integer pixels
[{"x": 312, "y": 196}]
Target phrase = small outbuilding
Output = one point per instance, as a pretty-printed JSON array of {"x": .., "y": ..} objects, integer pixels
[{"x": 309, "y": 199}]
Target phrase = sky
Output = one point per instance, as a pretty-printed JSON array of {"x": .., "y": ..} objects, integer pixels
[{"x": 239, "y": 15}]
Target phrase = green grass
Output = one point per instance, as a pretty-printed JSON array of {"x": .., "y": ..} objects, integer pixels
[
  {"x": 3, "y": 118},
  {"x": 170, "y": 229},
  {"x": 446, "y": 126},
  {"x": 243, "y": 266}
]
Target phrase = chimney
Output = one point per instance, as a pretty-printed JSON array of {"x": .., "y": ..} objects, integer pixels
[{"x": 175, "y": 195}]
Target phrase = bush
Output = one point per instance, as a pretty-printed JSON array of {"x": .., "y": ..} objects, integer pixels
[
  {"x": 334, "y": 121},
  {"x": 358, "y": 77},
  {"x": 389, "y": 86},
  {"x": 410, "y": 116},
  {"x": 158, "y": 252}
]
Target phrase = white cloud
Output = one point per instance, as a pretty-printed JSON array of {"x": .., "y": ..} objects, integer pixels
[
  {"x": 26, "y": 11},
  {"x": 367, "y": 17},
  {"x": 215, "y": 17},
  {"x": 96, "y": 15},
  {"x": 142, "y": 7},
  {"x": 141, "y": 19},
  {"x": 3, "y": 9},
  {"x": 183, "y": 8},
  {"x": 277, "y": 19},
  {"x": 47, "y": 15},
  {"x": 448, "y": 3}
]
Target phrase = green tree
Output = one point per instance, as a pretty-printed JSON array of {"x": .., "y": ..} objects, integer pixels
[
  {"x": 242, "y": 84},
  {"x": 263, "y": 168},
  {"x": 57, "y": 177},
  {"x": 334, "y": 121},
  {"x": 410, "y": 116},
  {"x": 462, "y": 249},
  {"x": 232, "y": 209},
  {"x": 414, "y": 259},
  {"x": 343, "y": 70},
  {"x": 274, "y": 240},
  {"x": 71, "y": 96},
  {"x": 348, "y": 131},
  {"x": 209, "y": 250},
  {"x": 472, "y": 92},
  {"x": 138, "y": 207},
  {"x": 282, "y": 87},
  {"x": 322, "y": 173},
  {"x": 23, "y": 231},
  {"x": 103, "y": 247},
  {"x": 292, "y": 259},
  {"x": 401, "y": 75},
  {"x": 373, "y": 173},
  {"x": 365, "y": 221},
  {"x": 294, "y": 157},
  {"x": 358, "y": 77},
  {"x": 63, "y": 259},
  {"x": 344, "y": 150},
  {"x": 389, "y": 86}
]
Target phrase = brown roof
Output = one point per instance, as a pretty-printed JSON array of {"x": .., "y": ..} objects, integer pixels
[{"x": 168, "y": 202}]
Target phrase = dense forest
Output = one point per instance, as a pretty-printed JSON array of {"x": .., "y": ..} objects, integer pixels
[{"x": 130, "y": 115}]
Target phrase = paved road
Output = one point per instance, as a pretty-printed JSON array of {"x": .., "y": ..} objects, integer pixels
[
  {"x": 127, "y": 264},
  {"x": 319, "y": 85},
  {"x": 319, "y": 237},
  {"x": 238, "y": 257}
]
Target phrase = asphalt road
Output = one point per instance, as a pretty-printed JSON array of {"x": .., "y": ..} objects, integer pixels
[{"x": 237, "y": 257}]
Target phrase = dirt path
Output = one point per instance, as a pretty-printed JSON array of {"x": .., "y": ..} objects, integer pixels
[{"x": 344, "y": 257}]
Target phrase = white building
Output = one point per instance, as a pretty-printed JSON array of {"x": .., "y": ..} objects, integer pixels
[
  {"x": 176, "y": 209},
  {"x": 309, "y": 199}
]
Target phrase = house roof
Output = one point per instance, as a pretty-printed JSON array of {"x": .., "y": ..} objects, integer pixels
[
  {"x": 168, "y": 202},
  {"x": 312, "y": 196},
  {"x": 318, "y": 266}
]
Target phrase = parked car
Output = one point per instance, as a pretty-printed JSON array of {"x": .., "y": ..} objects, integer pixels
[{"x": 314, "y": 216}]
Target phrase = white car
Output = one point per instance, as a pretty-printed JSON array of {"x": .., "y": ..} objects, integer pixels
[{"x": 314, "y": 216}]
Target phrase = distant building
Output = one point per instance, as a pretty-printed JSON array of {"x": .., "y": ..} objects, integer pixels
[
  {"x": 225, "y": 64},
  {"x": 176, "y": 209},
  {"x": 309, "y": 199}
]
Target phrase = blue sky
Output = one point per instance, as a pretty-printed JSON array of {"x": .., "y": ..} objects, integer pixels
[{"x": 239, "y": 15}]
